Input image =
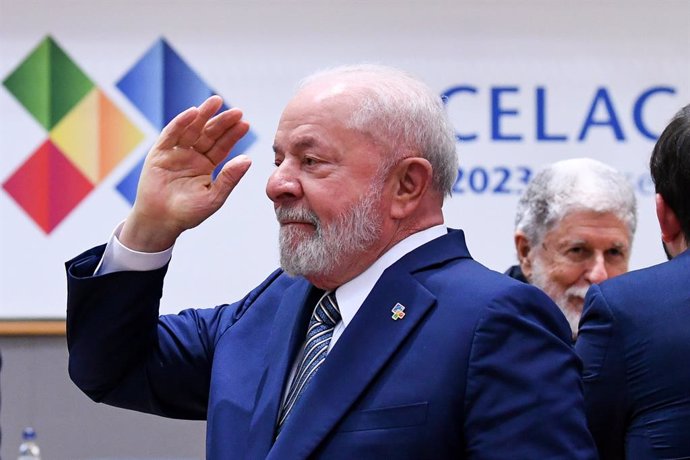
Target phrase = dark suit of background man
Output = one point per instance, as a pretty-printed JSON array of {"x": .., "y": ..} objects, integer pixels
[
  {"x": 635, "y": 329},
  {"x": 431, "y": 356}
]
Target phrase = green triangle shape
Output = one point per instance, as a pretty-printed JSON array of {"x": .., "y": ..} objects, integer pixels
[
  {"x": 48, "y": 83},
  {"x": 29, "y": 83},
  {"x": 68, "y": 84}
]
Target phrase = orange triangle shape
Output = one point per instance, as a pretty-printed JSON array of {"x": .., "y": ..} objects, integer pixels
[{"x": 118, "y": 136}]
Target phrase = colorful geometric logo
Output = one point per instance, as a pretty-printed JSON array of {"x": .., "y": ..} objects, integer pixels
[
  {"x": 398, "y": 311},
  {"x": 88, "y": 135}
]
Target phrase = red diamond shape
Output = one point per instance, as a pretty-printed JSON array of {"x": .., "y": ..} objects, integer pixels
[{"x": 48, "y": 186}]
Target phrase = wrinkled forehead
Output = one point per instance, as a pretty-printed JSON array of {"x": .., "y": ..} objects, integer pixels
[{"x": 587, "y": 225}]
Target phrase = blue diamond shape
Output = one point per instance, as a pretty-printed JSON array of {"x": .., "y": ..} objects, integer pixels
[
  {"x": 161, "y": 85},
  {"x": 128, "y": 185}
]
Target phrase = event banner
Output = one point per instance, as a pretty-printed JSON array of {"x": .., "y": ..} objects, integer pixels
[{"x": 85, "y": 93}]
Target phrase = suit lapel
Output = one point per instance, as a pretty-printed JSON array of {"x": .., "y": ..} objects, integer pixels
[
  {"x": 367, "y": 344},
  {"x": 287, "y": 335},
  {"x": 364, "y": 348}
]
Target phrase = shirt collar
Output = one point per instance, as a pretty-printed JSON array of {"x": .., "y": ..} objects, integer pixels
[{"x": 351, "y": 295}]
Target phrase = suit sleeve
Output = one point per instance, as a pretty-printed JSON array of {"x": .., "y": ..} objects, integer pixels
[
  {"x": 524, "y": 393},
  {"x": 123, "y": 354},
  {"x": 604, "y": 375}
]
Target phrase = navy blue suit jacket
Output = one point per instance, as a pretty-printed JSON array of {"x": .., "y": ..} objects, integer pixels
[
  {"x": 479, "y": 367},
  {"x": 634, "y": 341}
]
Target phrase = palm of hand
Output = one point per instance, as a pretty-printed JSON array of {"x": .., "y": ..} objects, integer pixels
[{"x": 176, "y": 191}]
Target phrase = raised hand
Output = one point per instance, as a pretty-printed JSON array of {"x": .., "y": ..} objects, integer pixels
[{"x": 176, "y": 191}]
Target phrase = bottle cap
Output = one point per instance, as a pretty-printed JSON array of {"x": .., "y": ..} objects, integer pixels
[{"x": 29, "y": 433}]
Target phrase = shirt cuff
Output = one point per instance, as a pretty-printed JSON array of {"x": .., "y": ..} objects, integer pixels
[{"x": 118, "y": 258}]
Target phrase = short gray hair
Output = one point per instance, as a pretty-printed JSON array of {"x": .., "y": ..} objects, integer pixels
[
  {"x": 402, "y": 114},
  {"x": 574, "y": 185}
]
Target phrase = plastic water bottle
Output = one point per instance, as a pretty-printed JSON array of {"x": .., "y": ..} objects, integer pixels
[{"x": 28, "y": 449}]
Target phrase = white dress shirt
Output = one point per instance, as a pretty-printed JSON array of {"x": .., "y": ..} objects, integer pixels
[{"x": 350, "y": 296}]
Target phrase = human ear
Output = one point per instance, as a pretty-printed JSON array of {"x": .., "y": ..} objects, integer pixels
[
  {"x": 668, "y": 221},
  {"x": 412, "y": 178},
  {"x": 523, "y": 248}
]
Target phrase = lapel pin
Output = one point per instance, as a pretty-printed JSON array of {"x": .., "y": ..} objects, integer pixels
[{"x": 398, "y": 312}]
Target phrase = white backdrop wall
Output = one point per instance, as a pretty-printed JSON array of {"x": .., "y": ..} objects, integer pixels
[{"x": 529, "y": 82}]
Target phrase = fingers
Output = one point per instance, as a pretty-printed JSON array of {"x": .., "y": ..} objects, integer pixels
[
  {"x": 184, "y": 130},
  {"x": 230, "y": 176},
  {"x": 215, "y": 128},
  {"x": 228, "y": 138},
  {"x": 195, "y": 131},
  {"x": 170, "y": 135},
  {"x": 206, "y": 110}
]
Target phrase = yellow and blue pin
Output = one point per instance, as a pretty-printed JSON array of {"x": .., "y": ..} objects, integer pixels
[{"x": 398, "y": 311}]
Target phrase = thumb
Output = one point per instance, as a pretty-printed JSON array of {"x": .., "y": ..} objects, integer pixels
[{"x": 230, "y": 176}]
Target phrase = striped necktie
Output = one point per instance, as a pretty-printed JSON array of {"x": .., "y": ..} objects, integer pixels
[{"x": 321, "y": 325}]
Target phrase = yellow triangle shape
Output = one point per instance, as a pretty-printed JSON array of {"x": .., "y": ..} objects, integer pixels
[{"x": 77, "y": 136}]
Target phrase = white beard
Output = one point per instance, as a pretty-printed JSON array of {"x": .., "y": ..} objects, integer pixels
[
  {"x": 564, "y": 299},
  {"x": 352, "y": 232}
]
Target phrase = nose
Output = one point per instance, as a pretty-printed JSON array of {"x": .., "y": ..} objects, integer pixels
[
  {"x": 283, "y": 185},
  {"x": 597, "y": 271}
]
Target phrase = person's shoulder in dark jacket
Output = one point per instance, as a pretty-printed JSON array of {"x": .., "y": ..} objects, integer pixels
[{"x": 516, "y": 272}]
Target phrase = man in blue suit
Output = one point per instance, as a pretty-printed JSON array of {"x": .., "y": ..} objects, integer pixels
[
  {"x": 379, "y": 336},
  {"x": 635, "y": 335}
]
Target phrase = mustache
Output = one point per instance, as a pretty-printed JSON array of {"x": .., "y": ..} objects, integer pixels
[
  {"x": 577, "y": 291},
  {"x": 287, "y": 214}
]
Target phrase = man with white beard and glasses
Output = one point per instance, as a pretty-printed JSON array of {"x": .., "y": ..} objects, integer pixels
[
  {"x": 379, "y": 336},
  {"x": 574, "y": 227}
]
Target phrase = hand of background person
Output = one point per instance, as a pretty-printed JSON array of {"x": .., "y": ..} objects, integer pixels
[{"x": 176, "y": 191}]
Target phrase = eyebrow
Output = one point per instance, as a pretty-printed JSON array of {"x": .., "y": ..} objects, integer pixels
[
  {"x": 581, "y": 242},
  {"x": 619, "y": 245},
  {"x": 304, "y": 143},
  {"x": 569, "y": 242}
]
